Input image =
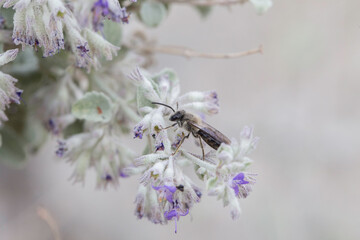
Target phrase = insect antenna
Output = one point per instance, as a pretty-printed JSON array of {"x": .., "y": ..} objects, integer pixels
[{"x": 163, "y": 105}]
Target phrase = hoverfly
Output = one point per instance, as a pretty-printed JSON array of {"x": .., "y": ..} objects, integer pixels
[{"x": 197, "y": 127}]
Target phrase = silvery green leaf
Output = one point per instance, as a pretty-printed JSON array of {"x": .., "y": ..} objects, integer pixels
[
  {"x": 93, "y": 106},
  {"x": 75, "y": 128},
  {"x": 25, "y": 63},
  {"x": 0, "y": 141},
  {"x": 203, "y": 10},
  {"x": 12, "y": 151},
  {"x": 211, "y": 183},
  {"x": 152, "y": 13},
  {"x": 141, "y": 100},
  {"x": 113, "y": 32},
  {"x": 169, "y": 73},
  {"x": 34, "y": 133},
  {"x": 262, "y": 6}
]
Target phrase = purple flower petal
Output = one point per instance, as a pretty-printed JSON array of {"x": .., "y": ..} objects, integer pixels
[
  {"x": 166, "y": 190},
  {"x": 175, "y": 213},
  {"x": 160, "y": 147},
  {"x": 241, "y": 186},
  {"x": 138, "y": 132},
  {"x": 239, "y": 179},
  {"x": 170, "y": 214}
]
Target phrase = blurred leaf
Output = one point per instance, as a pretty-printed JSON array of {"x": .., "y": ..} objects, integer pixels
[
  {"x": 72, "y": 129},
  {"x": 25, "y": 63},
  {"x": 166, "y": 72},
  {"x": 93, "y": 106},
  {"x": 152, "y": 13},
  {"x": 113, "y": 32},
  {"x": 200, "y": 176},
  {"x": 141, "y": 100},
  {"x": 261, "y": 6},
  {"x": 211, "y": 182},
  {"x": 8, "y": 14},
  {"x": 35, "y": 133},
  {"x": 203, "y": 10},
  {"x": 12, "y": 151}
]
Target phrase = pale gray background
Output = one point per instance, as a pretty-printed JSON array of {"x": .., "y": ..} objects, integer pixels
[{"x": 302, "y": 96}]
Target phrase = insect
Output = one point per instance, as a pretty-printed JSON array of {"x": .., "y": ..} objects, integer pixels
[
  {"x": 99, "y": 110},
  {"x": 197, "y": 127}
]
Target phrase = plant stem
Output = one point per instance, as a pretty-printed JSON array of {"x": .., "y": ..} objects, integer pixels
[
  {"x": 189, "y": 53},
  {"x": 207, "y": 3},
  {"x": 200, "y": 162}
]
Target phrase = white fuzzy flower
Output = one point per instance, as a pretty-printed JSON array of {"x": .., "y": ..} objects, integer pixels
[
  {"x": 42, "y": 24},
  {"x": 98, "y": 149},
  {"x": 99, "y": 46},
  {"x": 39, "y": 24},
  {"x": 164, "y": 88},
  {"x": 8, "y": 92},
  {"x": 238, "y": 151},
  {"x": 56, "y": 100}
]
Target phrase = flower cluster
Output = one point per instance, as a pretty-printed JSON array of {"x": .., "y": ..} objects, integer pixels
[
  {"x": 56, "y": 99},
  {"x": 99, "y": 149},
  {"x": 90, "y": 105},
  {"x": 43, "y": 24},
  {"x": 110, "y": 9},
  {"x": 8, "y": 92},
  {"x": 223, "y": 170}
]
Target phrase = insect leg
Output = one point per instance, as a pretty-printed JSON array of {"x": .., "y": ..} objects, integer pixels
[
  {"x": 169, "y": 126},
  {"x": 181, "y": 142},
  {"x": 202, "y": 149}
]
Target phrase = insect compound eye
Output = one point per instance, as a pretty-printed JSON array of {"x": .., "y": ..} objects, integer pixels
[
  {"x": 176, "y": 116},
  {"x": 172, "y": 117}
]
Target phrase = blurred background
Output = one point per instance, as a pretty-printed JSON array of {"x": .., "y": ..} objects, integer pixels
[{"x": 302, "y": 97}]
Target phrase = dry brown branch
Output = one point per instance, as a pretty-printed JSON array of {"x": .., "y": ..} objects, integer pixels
[
  {"x": 48, "y": 218},
  {"x": 189, "y": 53},
  {"x": 206, "y": 3}
]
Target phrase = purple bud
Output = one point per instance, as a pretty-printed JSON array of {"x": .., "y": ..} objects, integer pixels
[
  {"x": 138, "y": 132},
  {"x": 108, "y": 177},
  {"x": 52, "y": 126},
  {"x": 177, "y": 141},
  {"x": 83, "y": 49},
  {"x": 160, "y": 147},
  {"x": 124, "y": 16},
  {"x": 2, "y": 22},
  {"x": 62, "y": 148},
  {"x": 122, "y": 174}
]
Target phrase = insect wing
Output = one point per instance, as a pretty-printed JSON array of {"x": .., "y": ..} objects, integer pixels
[{"x": 210, "y": 135}]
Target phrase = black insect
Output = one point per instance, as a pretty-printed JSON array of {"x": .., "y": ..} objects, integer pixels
[{"x": 197, "y": 127}]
